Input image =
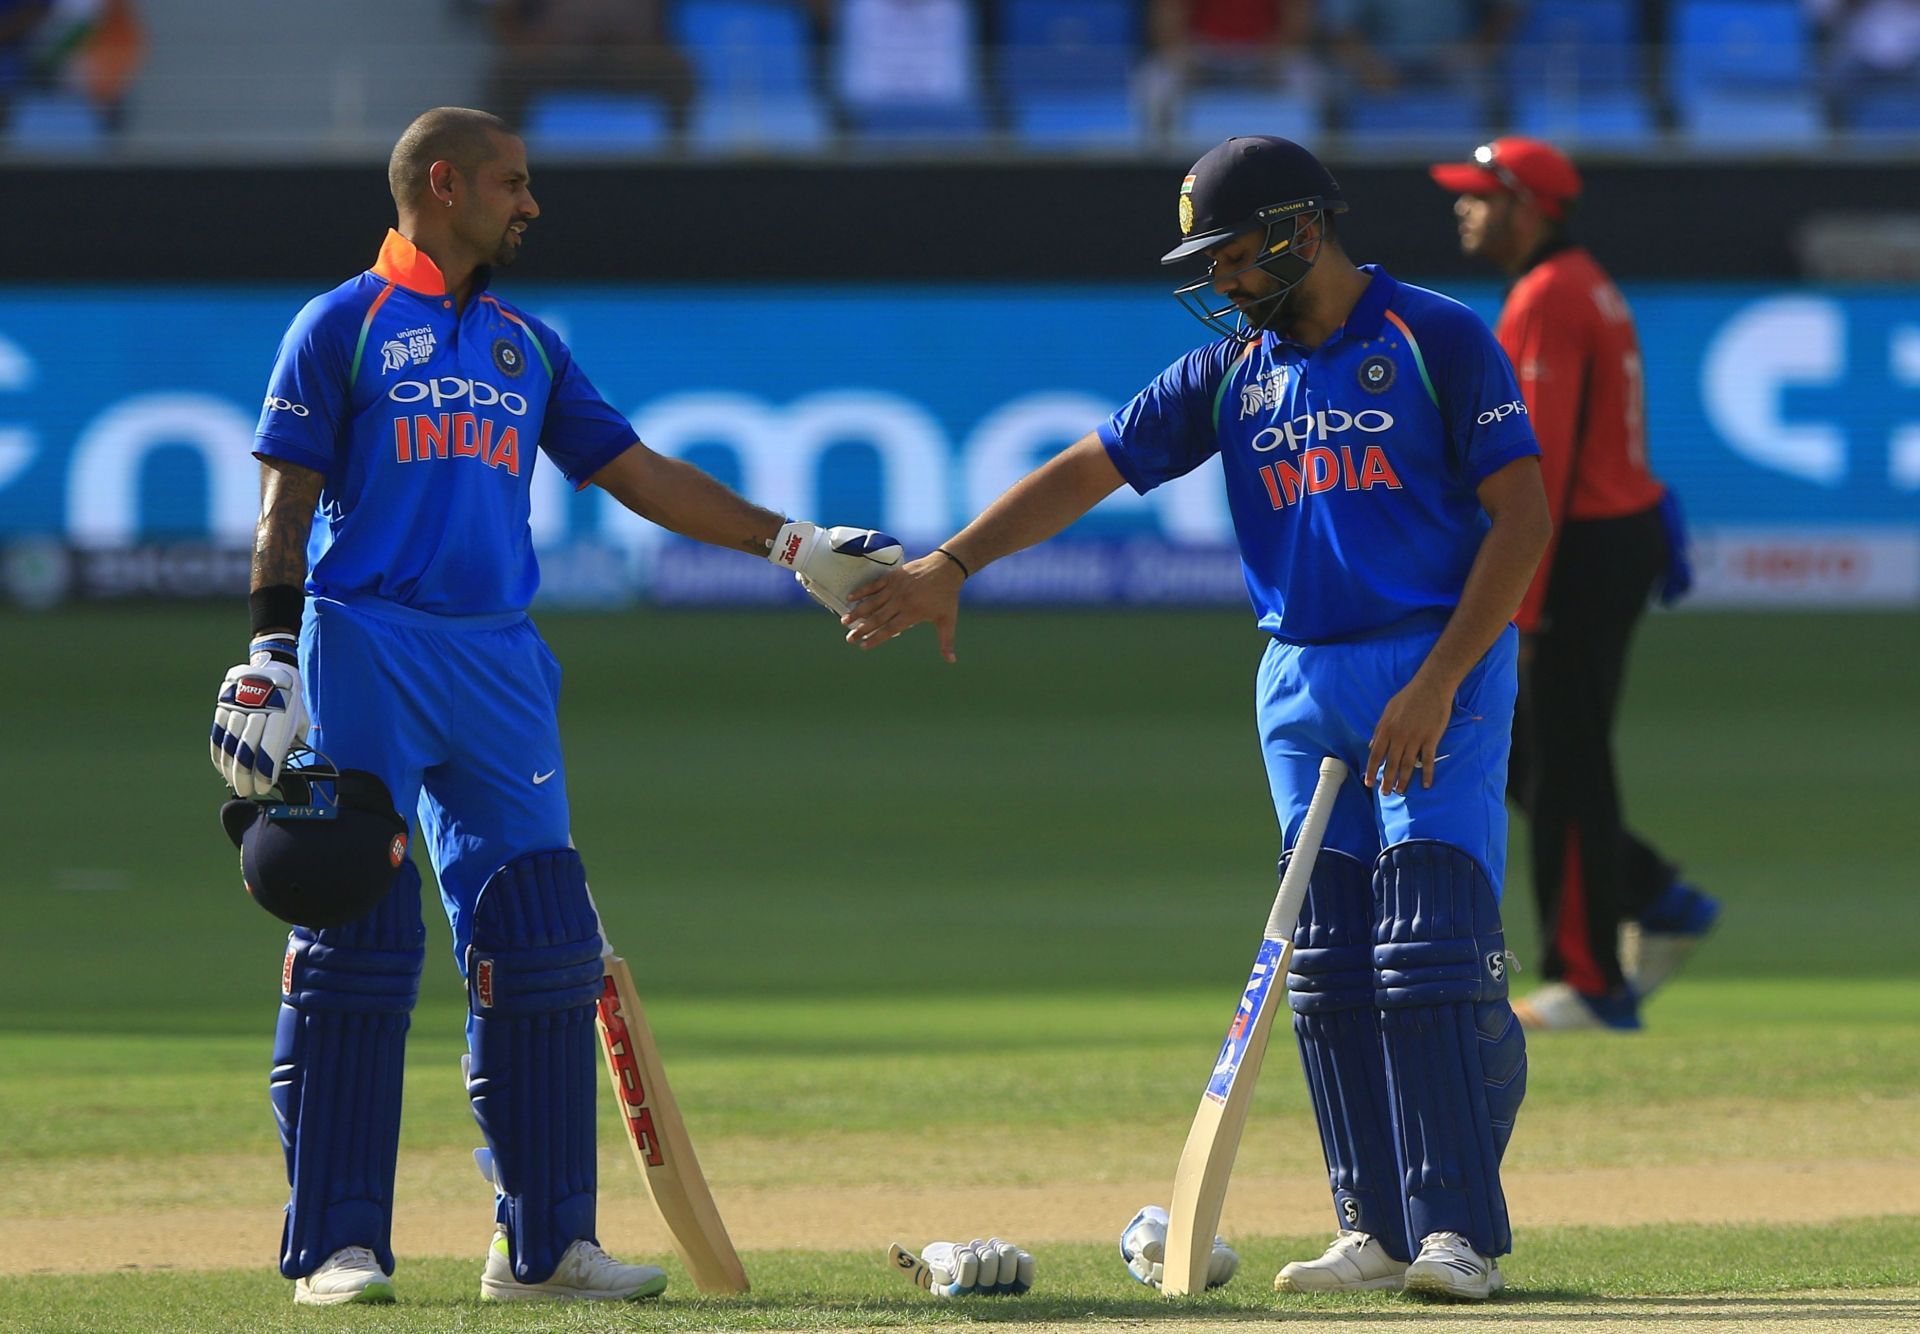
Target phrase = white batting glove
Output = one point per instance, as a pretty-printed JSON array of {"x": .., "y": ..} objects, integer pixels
[
  {"x": 831, "y": 562},
  {"x": 260, "y": 715},
  {"x": 1144, "y": 1247},
  {"x": 967, "y": 1268}
]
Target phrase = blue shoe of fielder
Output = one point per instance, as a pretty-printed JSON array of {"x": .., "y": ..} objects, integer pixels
[{"x": 1653, "y": 948}]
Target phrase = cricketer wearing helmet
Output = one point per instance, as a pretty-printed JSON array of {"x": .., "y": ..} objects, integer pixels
[
  {"x": 1386, "y": 496},
  {"x": 411, "y": 405}
]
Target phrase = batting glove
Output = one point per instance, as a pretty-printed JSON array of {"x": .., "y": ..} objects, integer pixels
[
  {"x": 1144, "y": 1247},
  {"x": 831, "y": 562},
  {"x": 260, "y": 715},
  {"x": 967, "y": 1268}
]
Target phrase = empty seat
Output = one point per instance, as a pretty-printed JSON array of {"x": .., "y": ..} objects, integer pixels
[
  {"x": 596, "y": 124},
  {"x": 754, "y": 73},
  {"x": 1055, "y": 44},
  {"x": 1620, "y": 117},
  {"x": 63, "y": 123},
  {"x": 1735, "y": 119},
  {"x": 1077, "y": 119},
  {"x": 1209, "y": 115},
  {"x": 1417, "y": 113}
]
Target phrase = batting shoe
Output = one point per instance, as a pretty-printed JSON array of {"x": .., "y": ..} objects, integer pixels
[
  {"x": 1557, "y": 1007},
  {"x": 351, "y": 1274},
  {"x": 1448, "y": 1266},
  {"x": 1653, "y": 947},
  {"x": 1356, "y": 1262},
  {"x": 585, "y": 1273}
]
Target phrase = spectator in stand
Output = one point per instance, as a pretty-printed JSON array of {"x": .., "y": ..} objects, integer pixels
[
  {"x": 20, "y": 22},
  {"x": 1390, "y": 45},
  {"x": 618, "y": 46},
  {"x": 1253, "y": 43},
  {"x": 906, "y": 56},
  {"x": 1871, "y": 45}
]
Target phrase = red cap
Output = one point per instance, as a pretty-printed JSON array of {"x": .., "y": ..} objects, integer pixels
[{"x": 1515, "y": 165}]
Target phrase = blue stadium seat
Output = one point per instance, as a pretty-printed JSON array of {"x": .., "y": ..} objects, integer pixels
[
  {"x": 757, "y": 46},
  {"x": 62, "y": 123},
  {"x": 1077, "y": 119},
  {"x": 908, "y": 125},
  {"x": 1738, "y": 119},
  {"x": 1211, "y": 114},
  {"x": 596, "y": 124},
  {"x": 1737, "y": 44},
  {"x": 1587, "y": 44},
  {"x": 1882, "y": 111},
  {"x": 1615, "y": 118},
  {"x": 1057, "y": 44},
  {"x": 1740, "y": 74},
  {"x": 1417, "y": 113},
  {"x": 753, "y": 66}
]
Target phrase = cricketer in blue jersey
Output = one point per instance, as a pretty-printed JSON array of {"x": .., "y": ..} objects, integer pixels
[
  {"x": 409, "y": 406},
  {"x": 1386, "y": 496}
]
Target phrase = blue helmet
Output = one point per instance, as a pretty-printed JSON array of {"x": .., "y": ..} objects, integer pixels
[
  {"x": 326, "y": 852},
  {"x": 1255, "y": 182}
]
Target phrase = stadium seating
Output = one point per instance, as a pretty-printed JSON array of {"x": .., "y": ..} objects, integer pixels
[
  {"x": 1574, "y": 74},
  {"x": 1212, "y": 114},
  {"x": 1740, "y": 74},
  {"x": 596, "y": 124},
  {"x": 1450, "y": 114},
  {"x": 1066, "y": 69},
  {"x": 62, "y": 123},
  {"x": 754, "y": 75}
]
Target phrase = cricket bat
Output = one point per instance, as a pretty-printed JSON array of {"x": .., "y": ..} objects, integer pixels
[
  {"x": 1206, "y": 1164},
  {"x": 659, "y": 1137}
]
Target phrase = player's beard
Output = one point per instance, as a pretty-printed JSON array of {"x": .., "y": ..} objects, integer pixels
[{"x": 507, "y": 251}]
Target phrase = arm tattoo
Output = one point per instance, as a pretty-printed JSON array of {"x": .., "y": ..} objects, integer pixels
[{"x": 288, "y": 494}]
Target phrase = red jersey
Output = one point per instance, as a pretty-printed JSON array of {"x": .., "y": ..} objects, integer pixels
[{"x": 1570, "y": 336}]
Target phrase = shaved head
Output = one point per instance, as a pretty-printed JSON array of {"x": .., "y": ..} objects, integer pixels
[{"x": 459, "y": 135}]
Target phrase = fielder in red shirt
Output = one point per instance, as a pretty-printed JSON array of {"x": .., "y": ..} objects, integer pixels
[{"x": 1616, "y": 918}]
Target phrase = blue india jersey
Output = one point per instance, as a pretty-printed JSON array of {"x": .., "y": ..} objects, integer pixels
[
  {"x": 1351, "y": 468},
  {"x": 426, "y": 422}
]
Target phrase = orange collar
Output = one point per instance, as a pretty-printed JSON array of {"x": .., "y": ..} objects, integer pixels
[{"x": 404, "y": 264}]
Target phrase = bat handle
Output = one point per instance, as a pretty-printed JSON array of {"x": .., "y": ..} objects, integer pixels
[{"x": 1306, "y": 851}]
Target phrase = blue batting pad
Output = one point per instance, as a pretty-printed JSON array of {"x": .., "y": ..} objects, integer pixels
[
  {"x": 1330, "y": 986},
  {"x": 533, "y": 976},
  {"x": 1456, "y": 1061},
  {"x": 346, "y": 1000}
]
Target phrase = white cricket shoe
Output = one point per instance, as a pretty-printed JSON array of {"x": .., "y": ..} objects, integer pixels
[
  {"x": 1448, "y": 1266},
  {"x": 585, "y": 1273},
  {"x": 350, "y": 1274},
  {"x": 1653, "y": 947},
  {"x": 1356, "y": 1262}
]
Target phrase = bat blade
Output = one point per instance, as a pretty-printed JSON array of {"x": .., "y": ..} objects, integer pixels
[
  {"x": 658, "y": 1136},
  {"x": 1206, "y": 1162}
]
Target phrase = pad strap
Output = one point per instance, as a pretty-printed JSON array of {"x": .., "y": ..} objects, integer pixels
[
  {"x": 1330, "y": 987},
  {"x": 339, "y": 1053},
  {"x": 533, "y": 976},
  {"x": 1456, "y": 1060}
]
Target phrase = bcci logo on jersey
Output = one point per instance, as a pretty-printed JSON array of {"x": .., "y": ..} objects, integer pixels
[{"x": 409, "y": 347}]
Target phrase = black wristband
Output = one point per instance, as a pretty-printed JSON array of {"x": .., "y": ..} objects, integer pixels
[
  {"x": 276, "y": 607},
  {"x": 965, "y": 573}
]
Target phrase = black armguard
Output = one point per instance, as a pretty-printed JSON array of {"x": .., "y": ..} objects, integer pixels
[{"x": 276, "y": 607}]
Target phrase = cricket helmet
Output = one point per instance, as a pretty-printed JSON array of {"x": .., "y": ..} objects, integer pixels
[
  {"x": 325, "y": 852},
  {"x": 1251, "y": 183}
]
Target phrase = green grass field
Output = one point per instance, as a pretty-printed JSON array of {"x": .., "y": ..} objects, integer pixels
[{"x": 906, "y": 928}]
